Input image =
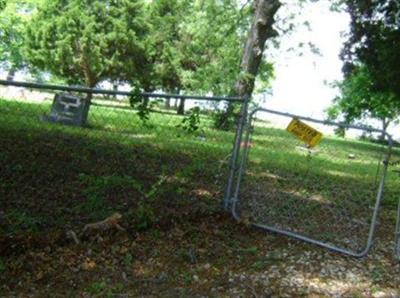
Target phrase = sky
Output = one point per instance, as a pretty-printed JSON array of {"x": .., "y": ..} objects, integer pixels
[{"x": 299, "y": 84}]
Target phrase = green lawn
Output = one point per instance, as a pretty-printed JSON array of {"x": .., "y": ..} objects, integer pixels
[
  {"x": 327, "y": 195},
  {"x": 164, "y": 181},
  {"x": 113, "y": 162},
  {"x": 54, "y": 175}
]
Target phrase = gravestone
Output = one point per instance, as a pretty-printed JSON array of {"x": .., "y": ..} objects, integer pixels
[{"x": 68, "y": 109}]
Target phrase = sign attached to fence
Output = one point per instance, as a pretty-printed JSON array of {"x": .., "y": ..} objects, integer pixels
[
  {"x": 304, "y": 132},
  {"x": 68, "y": 109}
]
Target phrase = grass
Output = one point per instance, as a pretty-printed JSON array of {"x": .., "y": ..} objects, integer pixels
[
  {"x": 50, "y": 170},
  {"x": 168, "y": 185},
  {"x": 116, "y": 159},
  {"x": 327, "y": 195}
]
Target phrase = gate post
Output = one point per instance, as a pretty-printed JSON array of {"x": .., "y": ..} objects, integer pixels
[
  {"x": 235, "y": 152},
  {"x": 397, "y": 234},
  {"x": 238, "y": 165}
]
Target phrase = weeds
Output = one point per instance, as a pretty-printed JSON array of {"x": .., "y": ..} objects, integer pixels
[
  {"x": 96, "y": 288},
  {"x": 96, "y": 189},
  {"x": 144, "y": 212},
  {"x": 191, "y": 122},
  {"x": 20, "y": 220}
]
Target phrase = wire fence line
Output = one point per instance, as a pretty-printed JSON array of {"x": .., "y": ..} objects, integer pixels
[
  {"x": 322, "y": 195},
  {"x": 89, "y": 167},
  {"x": 79, "y": 89}
]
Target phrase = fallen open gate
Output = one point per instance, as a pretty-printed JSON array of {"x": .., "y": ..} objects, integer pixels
[
  {"x": 320, "y": 195},
  {"x": 397, "y": 234}
]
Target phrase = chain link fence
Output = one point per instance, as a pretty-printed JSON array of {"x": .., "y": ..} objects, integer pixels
[
  {"x": 397, "y": 234},
  {"x": 327, "y": 195},
  {"x": 60, "y": 167}
]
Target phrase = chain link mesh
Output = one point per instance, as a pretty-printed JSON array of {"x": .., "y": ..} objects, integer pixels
[
  {"x": 326, "y": 193},
  {"x": 56, "y": 175},
  {"x": 397, "y": 234}
]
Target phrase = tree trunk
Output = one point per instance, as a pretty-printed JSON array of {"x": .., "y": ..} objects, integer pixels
[
  {"x": 88, "y": 102},
  {"x": 11, "y": 74},
  {"x": 91, "y": 82},
  {"x": 168, "y": 103},
  {"x": 181, "y": 107},
  {"x": 115, "y": 88},
  {"x": 261, "y": 29},
  {"x": 385, "y": 124}
]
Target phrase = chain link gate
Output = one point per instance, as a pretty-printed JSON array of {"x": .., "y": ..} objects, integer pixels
[
  {"x": 397, "y": 234},
  {"x": 323, "y": 196},
  {"x": 292, "y": 197}
]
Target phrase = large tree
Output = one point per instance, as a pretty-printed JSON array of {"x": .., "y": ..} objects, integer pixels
[
  {"x": 252, "y": 61},
  {"x": 14, "y": 14},
  {"x": 166, "y": 15},
  {"x": 261, "y": 29},
  {"x": 374, "y": 40},
  {"x": 163, "y": 52},
  {"x": 210, "y": 46},
  {"x": 200, "y": 46},
  {"x": 87, "y": 41},
  {"x": 359, "y": 100}
]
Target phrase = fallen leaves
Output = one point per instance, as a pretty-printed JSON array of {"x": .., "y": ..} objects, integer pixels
[{"x": 88, "y": 265}]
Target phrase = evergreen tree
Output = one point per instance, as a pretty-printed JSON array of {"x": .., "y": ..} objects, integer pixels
[
  {"x": 359, "y": 100},
  {"x": 14, "y": 14},
  {"x": 374, "y": 40},
  {"x": 87, "y": 41}
]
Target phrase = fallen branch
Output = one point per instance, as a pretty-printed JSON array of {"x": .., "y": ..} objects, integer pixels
[
  {"x": 100, "y": 226},
  {"x": 106, "y": 224},
  {"x": 72, "y": 235}
]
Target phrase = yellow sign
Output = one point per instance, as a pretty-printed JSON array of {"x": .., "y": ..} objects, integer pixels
[{"x": 304, "y": 132}]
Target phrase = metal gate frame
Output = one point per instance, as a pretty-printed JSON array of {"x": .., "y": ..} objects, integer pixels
[
  {"x": 238, "y": 165},
  {"x": 239, "y": 159},
  {"x": 397, "y": 235}
]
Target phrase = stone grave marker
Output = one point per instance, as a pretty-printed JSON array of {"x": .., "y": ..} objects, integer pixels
[{"x": 68, "y": 109}]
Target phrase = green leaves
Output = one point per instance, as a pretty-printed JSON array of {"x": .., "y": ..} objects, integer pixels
[
  {"x": 170, "y": 45},
  {"x": 142, "y": 104},
  {"x": 359, "y": 100},
  {"x": 89, "y": 41},
  {"x": 200, "y": 46},
  {"x": 13, "y": 18},
  {"x": 191, "y": 122},
  {"x": 136, "y": 96},
  {"x": 374, "y": 40}
]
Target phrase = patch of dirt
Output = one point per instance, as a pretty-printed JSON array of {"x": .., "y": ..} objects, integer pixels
[{"x": 197, "y": 254}]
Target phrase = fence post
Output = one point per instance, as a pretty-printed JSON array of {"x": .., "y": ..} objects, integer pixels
[
  {"x": 235, "y": 152},
  {"x": 397, "y": 234}
]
